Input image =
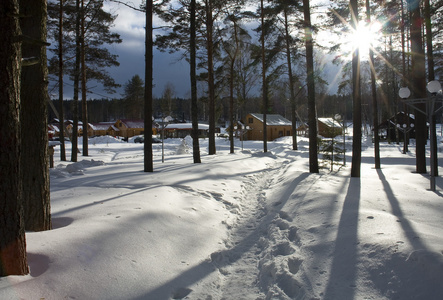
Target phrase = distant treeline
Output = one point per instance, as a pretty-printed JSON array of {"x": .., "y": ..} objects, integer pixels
[{"x": 105, "y": 110}]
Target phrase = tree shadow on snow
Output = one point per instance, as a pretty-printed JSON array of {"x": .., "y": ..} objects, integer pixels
[
  {"x": 343, "y": 273},
  {"x": 38, "y": 264},
  {"x": 177, "y": 288}
]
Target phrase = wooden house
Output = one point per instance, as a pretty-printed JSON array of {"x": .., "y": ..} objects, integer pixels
[
  {"x": 401, "y": 122},
  {"x": 101, "y": 128},
  {"x": 70, "y": 127},
  {"x": 303, "y": 130},
  {"x": 276, "y": 126},
  {"x": 328, "y": 127},
  {"x": 181, "y": 130},
  {"x": 127, "y": 128}
]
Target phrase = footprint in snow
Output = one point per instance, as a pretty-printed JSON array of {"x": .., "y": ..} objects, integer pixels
[{"x": 181, "y": 293}]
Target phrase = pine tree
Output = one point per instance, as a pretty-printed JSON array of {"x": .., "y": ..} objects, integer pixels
[
  {"x": 418, "y": 83},
  {"x": 193, "y": 75},
  {"x": 133, "y": 97},
  {"x": 356, "y": 96},
  {"x": 90, "y": 25},
  {"x": 312, "y": 114},
  {"x": 233, "y": 38},
  {"x": 286, "y": 12},
  {"x": 33, "y": 116},
  {"x": 149, "y": 45},
  {"x": 13, "y": 259}
]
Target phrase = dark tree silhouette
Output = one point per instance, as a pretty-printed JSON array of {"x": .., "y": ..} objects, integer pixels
[
  {"x": 312, "y": 115},
  {"x": 12, "y": 228},
  {"x": 33, "y": 115}
]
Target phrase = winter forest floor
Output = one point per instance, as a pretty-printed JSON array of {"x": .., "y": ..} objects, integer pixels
[{"x": 249, "y": 225}]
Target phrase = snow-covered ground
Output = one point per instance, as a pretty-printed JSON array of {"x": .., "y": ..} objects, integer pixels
[{"x": 249, "y": 225}]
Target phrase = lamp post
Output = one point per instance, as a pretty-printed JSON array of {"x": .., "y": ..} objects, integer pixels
[
  {"x": 433, "y": 88},
  {"x": 243, "y": 130},
  {"x": 405, "y": 129}
]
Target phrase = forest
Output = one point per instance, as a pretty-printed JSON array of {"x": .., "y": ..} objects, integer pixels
[{"x": 233, "y": 47}]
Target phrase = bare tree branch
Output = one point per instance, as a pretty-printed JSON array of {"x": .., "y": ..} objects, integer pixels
[{"x": 131, "y": 5}]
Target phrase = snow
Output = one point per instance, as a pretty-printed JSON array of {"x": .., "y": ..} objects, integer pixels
[
  {"x": 249, "y": 225},
  {"x": 186, "y": 126}
]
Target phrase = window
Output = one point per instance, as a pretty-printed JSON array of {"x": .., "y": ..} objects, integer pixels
[{"x": 251, "y": 120}]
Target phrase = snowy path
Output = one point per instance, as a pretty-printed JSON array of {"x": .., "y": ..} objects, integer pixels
[
  {"x": 238, "y": 265},
  {"x": 330, "y": 236},
  {"x": 261, "y": 236},
  {"x": 251, "y": 225}
]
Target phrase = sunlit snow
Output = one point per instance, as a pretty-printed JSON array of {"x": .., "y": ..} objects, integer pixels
[{"x": 249, "y": 225}]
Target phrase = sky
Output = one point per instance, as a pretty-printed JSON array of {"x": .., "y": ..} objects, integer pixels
[
  {"x": 131, "y": 56},
  {"x": 168, "y": 68},
  {"x": 248, "y": 225}
]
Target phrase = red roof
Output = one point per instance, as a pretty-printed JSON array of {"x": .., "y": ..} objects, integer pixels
[{"x": 133, "y": 123}]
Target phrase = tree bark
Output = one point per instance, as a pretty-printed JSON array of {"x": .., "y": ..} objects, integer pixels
[
  {"x": 74, "y": 136},
  {"x": 264, "y": 83},
  {"x": 418, "y": 83},
  {"x": 231, "y": 106},
  {"x": 148, "y": 155},
  {"x": 312, "y": 115},
  {"x": 193, "y": 74},
  {"x": 211, "y": 87},
  {"x": 356, "y": 98},
  {"x": 403, "y": 58},
  {"x": 33, "y": 114},
  {"x": 431, "y": 77},
  {"x": 83, "y": 79},
  {"x": 374, "y": 96},
  {"x": 60, "y": 85},
  {"x": 291, "y": 82},
  {"x": 13, "y": 259}
]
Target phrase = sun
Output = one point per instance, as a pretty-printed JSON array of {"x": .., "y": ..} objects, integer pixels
[{"x": 366, "y": 36}]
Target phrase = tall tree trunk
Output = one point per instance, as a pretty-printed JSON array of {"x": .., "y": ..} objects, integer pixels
[
  {"x": 231, "y": 107},
  {"x": 149, "y": 159},
  {"x": 356, "y": 98},
  {"x": 312, "y": 115},
  {"x": 264, "y": 83},
  {"x": 211, "y": 87},
  {"x": 431, "y": 77},
  {"x": 12, "y": 228},
  {"x": 394, "y": 92},
  {"x": 233, "y": 58},
  {"x": 403, "y": 54},
  {"x": 418, "y": 83},
  {"x": 83, "y": 76},
  {"x": 291, "y": 82},
  {"x": 193, "y": 71},
  {"x": 374, "y": 96},
  {"x": 60, "y": 85},
  {"x": 33, "y": 118},
  {"x": 429, "y": 50},
  {"x": 74, "y": 138}
]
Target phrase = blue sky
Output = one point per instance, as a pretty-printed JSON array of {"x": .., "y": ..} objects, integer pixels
[{"x": 167, "y": 67}]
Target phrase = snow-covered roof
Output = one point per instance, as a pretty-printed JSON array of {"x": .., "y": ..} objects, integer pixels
[
  {"x": 101, "y": 125},
  {"x": 72, "y": 122},
  {"x": 186, "y": 126},
  {"x": 272, "y": 119},
  {"x": 329, "y": 122},
  {"x": 54, "y": 127},
  {"x": 133, "y": 123}
]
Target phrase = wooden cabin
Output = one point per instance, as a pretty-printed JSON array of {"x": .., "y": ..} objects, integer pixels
[{"x": 276, "y": 126}]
